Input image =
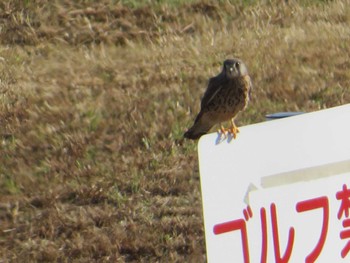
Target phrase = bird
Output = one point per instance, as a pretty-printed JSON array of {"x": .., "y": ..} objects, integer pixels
[{"x": 227, "y": 94}]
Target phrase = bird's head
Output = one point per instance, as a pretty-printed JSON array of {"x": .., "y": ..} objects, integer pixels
[{"x": 234, "y": 68}]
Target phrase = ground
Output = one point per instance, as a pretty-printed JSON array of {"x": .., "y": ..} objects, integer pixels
[{"x": 95, "y": 97}]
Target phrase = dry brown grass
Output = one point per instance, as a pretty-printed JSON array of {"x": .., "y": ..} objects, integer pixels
[{"x": 95, "y": 96}]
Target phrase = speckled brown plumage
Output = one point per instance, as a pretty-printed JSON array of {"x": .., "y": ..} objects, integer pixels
[{"x": 227, "y": 94}]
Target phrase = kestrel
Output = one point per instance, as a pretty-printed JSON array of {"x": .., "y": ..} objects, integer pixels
[{"x": 227, "y": 94}]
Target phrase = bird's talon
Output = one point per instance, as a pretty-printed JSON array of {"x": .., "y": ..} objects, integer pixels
[
  {"x": 233, "y": 133},
  {"x": 223, "y": 131}
]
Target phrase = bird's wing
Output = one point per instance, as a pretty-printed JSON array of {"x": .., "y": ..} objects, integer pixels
[
  {"x": 214, "y": 86},
  {"x": 250, "y": 86}
]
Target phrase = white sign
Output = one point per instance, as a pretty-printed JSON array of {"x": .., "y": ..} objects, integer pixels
[{"x": 280, "y": 192}]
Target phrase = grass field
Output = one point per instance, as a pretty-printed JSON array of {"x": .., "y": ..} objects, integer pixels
[{"x": 95, "y": 97}]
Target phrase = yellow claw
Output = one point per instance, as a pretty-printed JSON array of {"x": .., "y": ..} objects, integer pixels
[
  {"x": 233, "y": 129},
  {"x": 223, "y": 130}
]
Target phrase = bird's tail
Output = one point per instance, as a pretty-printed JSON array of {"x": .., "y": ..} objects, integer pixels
[
  {"x": 193, "y": 134},
  {"x": 198, "y": 129}
]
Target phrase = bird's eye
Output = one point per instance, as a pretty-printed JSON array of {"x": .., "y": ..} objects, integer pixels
[{"x": 237, "y": 64}]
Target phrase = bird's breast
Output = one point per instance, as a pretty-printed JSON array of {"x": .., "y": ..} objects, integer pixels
[
  {"x": 236, "y": 95},
  {"x": 232, "y": 97}
]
